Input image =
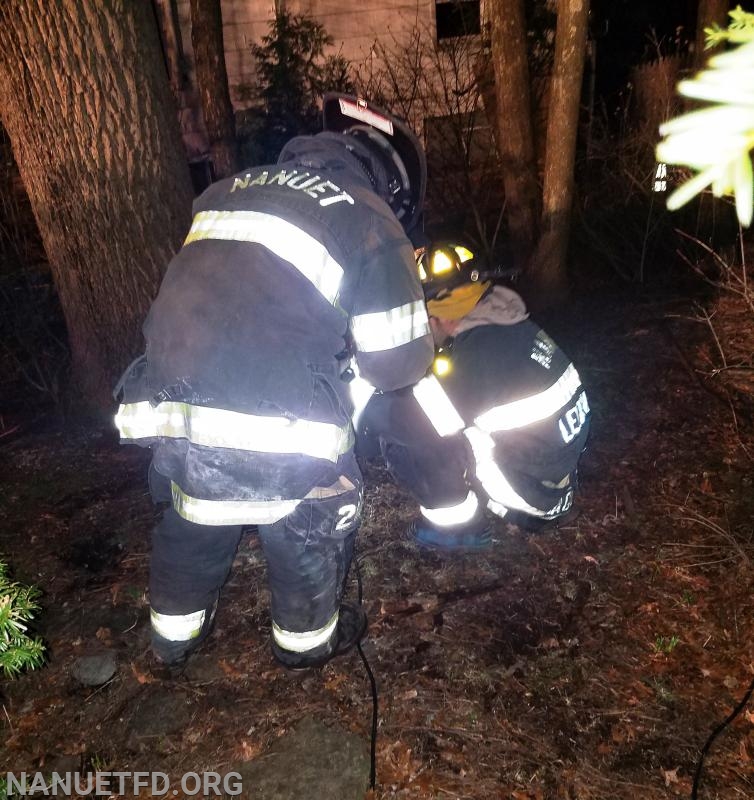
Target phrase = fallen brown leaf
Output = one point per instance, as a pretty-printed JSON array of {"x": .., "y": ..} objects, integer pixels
[
  {"x": 246, "y": 751},
  {"x": 104, "y": 635},
  {"x": 229, "y": 669},
  {"x": 141, "y": 677},
  {"x": 743, "y": 753},
  {"x": 670, "y": 775}
]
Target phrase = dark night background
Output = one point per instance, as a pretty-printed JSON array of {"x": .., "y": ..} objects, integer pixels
[{"x": 623, "y": 29}]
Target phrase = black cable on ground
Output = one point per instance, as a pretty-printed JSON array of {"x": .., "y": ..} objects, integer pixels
[
  {"x": 718, "y": 730},
  {"x": 373, "y": 746},
  {"x": 373, "y": 684}
]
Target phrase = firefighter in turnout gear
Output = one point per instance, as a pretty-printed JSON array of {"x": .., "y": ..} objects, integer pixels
[
  {"x": 295, "y": 291},
  {"x": 499, "y": 423}
]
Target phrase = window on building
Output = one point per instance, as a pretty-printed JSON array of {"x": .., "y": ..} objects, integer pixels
[
  {"x": 457, "y": 18},
  {"x": 459, "y": 141}
]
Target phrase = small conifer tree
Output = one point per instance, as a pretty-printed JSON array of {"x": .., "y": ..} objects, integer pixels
[
  {"x": 18, "y": 604},
  {"x": 293, "y": 73}
]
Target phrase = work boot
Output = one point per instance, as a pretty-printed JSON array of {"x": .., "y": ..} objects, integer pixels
[
  {"x": 531, "y": 524},
  {"x": 350, "y": 630},
  {"x": 454, "y": 540}
]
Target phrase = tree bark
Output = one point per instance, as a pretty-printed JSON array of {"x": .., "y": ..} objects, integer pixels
[
  {"x": 709, "y": 12},
  {"x": 86, "y": 103},
  {"x": 515, "y": 137},
  {"x": 212, "y": 80},
  {"x": 547, "y": 274}
]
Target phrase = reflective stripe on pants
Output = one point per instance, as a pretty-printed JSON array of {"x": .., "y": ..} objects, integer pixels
[
  {"x": 458, "y": 514},
  {"x": 177, "y": 627},
  {"x": 304, "y": 641}
]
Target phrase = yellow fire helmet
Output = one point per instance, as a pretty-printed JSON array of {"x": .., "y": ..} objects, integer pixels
[{"x": 451, "y": 281}]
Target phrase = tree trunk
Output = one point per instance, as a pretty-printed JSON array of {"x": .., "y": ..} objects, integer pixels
[
  {"x": 515, "y": 139},
  {"x": 547, "y": 273},
  {"x": 172, "y": 46},
  {"x": 212, "y": 80},
  {"x": 709, "y": 12},
  {"x": 86, "y": 103}
]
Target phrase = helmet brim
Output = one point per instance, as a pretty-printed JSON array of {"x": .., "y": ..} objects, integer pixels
[
  {"x": 465, "y": 268},
  {"x": 340, "y": 112}
]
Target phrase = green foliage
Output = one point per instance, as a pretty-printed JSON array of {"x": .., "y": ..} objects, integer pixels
[
  {"x": 18, "y": 650},
  {"x": 665, "y": 644},
  {"x": 716, "y": 141},
  {"x": 740, "y": 29},
  {"x": 688, "y": 598},
  {"x": 293, "y": 74}
]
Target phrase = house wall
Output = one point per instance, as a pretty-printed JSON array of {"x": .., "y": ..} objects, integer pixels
[{"x": 353, "y": 26}]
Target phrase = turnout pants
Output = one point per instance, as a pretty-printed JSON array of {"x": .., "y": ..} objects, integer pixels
[
  {"x": 433, "y": 469},
  {"x": 442, "y": 474},
  {"x": 308, "y": 555},
  {"x": 436, "y": 477},
  {"x": 454, "y": 501}
]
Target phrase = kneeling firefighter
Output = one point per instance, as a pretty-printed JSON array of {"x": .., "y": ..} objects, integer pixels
[
  {"x": 292, "y": 278},
  {"x": 498, "y": 425}
]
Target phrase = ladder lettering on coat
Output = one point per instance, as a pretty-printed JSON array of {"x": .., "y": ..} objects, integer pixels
[{"x": 573, "y": 420}]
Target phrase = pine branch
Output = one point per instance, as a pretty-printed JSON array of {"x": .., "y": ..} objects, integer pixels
[{"x": 18, "y": 604}]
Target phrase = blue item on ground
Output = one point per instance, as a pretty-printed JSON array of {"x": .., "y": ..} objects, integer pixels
[{"x": 453, "y": 540}]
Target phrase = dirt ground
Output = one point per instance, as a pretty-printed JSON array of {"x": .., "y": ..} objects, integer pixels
[{"x": 588, "y": 661}]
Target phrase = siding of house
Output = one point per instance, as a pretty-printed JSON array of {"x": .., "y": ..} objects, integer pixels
[{"x": 354, "y": 25}]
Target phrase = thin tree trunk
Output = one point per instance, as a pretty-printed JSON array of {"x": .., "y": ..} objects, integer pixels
[
  {"x": 709, "y": 13},
  {"x": 212, "y": 80},
  {"x": 515, "y": 138},
  {"x": 170, "y": 34},
  {"x": 548, "y": 267},
  {"x": 86, "y": 103}
]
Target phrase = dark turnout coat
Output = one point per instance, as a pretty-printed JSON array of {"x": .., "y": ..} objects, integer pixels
[
  {"x": 507, "y": 418},
  {"x": 288, "y": 274}
]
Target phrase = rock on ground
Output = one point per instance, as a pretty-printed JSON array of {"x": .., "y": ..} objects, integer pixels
[{"x": 313, "y": 762}]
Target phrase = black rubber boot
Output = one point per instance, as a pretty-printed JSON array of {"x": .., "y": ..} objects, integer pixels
[
  {"x": 350, "y": 630},
  {"x": 453, "y": 541},
  {"x": 532, "y": 524}
]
